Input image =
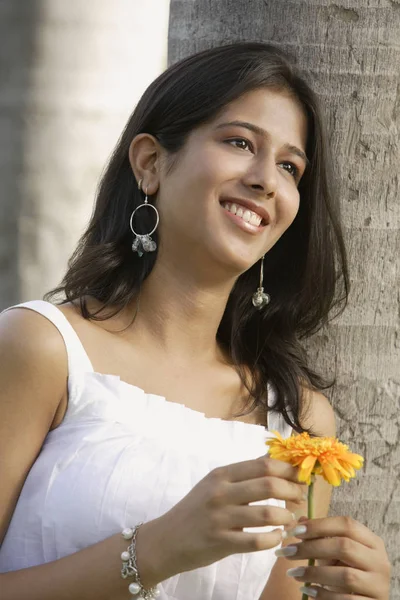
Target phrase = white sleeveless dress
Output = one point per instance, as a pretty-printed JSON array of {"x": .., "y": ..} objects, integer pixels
[{"x": 121, "y": 456}]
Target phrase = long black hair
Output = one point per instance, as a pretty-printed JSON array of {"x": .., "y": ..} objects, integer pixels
[{"x": 306, "y": 270}]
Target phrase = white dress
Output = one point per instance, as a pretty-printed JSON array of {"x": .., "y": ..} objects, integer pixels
[{"x": 121, "y": 456}]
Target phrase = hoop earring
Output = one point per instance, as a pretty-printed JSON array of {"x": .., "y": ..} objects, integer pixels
[
  {"x": 260, "y": 299},
  {"x": 143, "y": 242}
]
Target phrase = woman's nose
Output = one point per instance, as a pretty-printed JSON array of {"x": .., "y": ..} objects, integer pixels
[{"x": 263, "y": 177}]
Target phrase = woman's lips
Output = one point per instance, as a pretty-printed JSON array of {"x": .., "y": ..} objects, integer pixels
[
  {"x": 235, "y": 204},
  {"x": 249, "y": 216},
  {"x": 245, "y": 226}
]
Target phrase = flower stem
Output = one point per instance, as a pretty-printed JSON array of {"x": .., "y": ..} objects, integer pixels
[{"x": 310, "y": 514}]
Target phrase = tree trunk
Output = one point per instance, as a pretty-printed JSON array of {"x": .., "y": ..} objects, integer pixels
[
  {"x": 72, "y": 73},
  {"x": 350, "y": 48}
]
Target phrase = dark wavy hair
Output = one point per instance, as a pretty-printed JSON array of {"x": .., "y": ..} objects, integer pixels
[{"x": 306, "y": 270}]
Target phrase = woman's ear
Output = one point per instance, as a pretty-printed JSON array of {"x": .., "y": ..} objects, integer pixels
[{"x": 145, "y": 159}]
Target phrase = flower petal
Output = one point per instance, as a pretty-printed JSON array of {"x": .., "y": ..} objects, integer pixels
[
  {"x": 306, "y": 468},
  {"x": 355, "y": 460},
  {"x": 308, "y": 462},
  {"x": 331, "y": 475}
]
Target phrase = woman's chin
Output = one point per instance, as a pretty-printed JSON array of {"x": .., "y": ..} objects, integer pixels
[{"x": 237, "y": 260}]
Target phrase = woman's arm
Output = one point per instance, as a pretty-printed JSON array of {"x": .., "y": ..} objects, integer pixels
[
  {"x": 33, "y": 379},
  {"x": 321, "y": 416},
  {"x": 90, "y": 574}
]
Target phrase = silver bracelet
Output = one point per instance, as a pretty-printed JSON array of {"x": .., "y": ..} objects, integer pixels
[{"x": 129, "y": 568}]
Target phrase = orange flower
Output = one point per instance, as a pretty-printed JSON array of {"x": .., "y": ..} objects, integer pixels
[{"x": 324, "y": 456}]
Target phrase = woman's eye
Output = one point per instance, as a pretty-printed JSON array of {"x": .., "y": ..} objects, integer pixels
[
  {"x": 293, "y": 170},
  {"x": 242, "y": 143}
]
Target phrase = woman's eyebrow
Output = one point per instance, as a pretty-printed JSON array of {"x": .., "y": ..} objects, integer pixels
[{"x": 259, "y": 131}]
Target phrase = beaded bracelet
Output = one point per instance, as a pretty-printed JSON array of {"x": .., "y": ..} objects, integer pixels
[{"x": 129, "y": 567}]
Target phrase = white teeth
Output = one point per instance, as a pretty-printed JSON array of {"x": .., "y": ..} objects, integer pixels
[
  {"x": 247, "y": 215},
  {"x": 255, "y": 219}
]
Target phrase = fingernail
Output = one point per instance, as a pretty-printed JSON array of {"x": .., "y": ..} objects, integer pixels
[
  {"x": 309, "y": 591},
  {"x": 286, "y": 551},
  {"x": 305, "y": 495},
  {"x": 299, "y": 530},
  {"x": 294, "y": 517},
  {"x": 296, "y": 572}
]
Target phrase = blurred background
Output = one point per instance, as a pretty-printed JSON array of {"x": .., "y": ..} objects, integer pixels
[{"x": 72, "y": 71}]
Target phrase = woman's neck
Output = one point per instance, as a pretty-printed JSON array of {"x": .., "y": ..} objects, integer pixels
[{"x": 181, "y": 314}]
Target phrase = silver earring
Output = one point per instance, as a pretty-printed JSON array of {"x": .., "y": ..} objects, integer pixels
[
  {"x": 143, "y": 242},
  {"x": 260, "y": 299}
]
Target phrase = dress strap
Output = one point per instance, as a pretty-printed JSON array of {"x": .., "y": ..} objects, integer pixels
[{"x": 78, "y": 360}]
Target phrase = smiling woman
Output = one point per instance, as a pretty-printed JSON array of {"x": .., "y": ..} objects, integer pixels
[
  {"x": 153, "y": 385},
  {"x": 217, "y": 166}
]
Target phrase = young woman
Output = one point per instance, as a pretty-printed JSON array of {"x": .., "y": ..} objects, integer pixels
[{"x": 147, "y": 394}]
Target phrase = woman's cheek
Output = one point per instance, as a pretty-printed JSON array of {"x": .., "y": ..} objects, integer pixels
[{"x": 287, "y": 209}]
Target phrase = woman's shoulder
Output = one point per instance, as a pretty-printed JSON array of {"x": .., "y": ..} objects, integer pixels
[
  {"x": 27, "y": 328},
  {"x": 29, "y": 340},
  {"x": 105, "y": 316},
  {"x": 33, "y": 365},
  {"x": 317, "y": 413}
]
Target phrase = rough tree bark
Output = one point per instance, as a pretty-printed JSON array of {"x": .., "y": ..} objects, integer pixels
[{"x": 350, "y": 48}]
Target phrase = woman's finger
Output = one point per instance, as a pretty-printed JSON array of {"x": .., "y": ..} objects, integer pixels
[
  {"x": 253, "y": 542},
  {"x": 257, "y": 516},
  {"x": 346, "y": 579},
  {"x": 349, "y": 552},
  {"x": 263, "y": 466},
  {"x": 340, "y": 527},
  {"x": 321, "y": 594},
  {"x": 266, "y": 487}
]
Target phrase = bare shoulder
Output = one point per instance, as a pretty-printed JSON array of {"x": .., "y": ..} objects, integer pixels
[
  {"x": 317, "y": 413},
  {"x": 30, "y": 327},
  {"x": 33, "y": 375},
  {"x": 32, "y": 350}
]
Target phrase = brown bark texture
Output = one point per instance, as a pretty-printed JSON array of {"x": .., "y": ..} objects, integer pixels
[{"x": 350, "y": 52}]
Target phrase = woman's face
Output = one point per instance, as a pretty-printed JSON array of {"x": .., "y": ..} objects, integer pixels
[{"x": 234, "y": 188}]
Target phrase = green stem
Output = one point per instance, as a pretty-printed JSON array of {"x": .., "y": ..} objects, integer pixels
[{"x": 310, "y": 514}]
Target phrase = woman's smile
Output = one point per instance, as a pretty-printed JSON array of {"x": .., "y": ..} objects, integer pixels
[
  {"x": 254, "y": 179},
  {"x": 244, "y": 218}
]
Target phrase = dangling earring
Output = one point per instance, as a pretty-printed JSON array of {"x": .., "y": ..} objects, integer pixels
[
  {"x": 260, "y": 299},
  {"x": 143, "y": 242}
]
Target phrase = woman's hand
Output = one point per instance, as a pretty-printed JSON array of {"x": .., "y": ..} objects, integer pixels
[
  {"x": 352, "y": 560},
  {"x": 207, "y": 524}
]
